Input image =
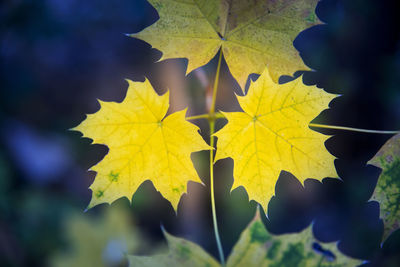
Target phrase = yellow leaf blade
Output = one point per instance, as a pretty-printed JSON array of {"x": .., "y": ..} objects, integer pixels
[
  {"x": 143, "y": 145},
  {"x": 272, "y": 135}
]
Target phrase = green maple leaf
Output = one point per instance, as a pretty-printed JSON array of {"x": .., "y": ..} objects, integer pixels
[
  {"x": 387, "y": 190},
  {"x": 255, "y": 247}
]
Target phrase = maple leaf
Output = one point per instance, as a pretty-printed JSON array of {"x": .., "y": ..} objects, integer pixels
[
  {"x": 143, "y": 145},
  {"x": 272, "y": 134},
  {"x": 251, "y": 34},
  {"x": 387, "y": 190},
  {"x": 255, "y": 247},
  {"x": 182, "y": 253}
]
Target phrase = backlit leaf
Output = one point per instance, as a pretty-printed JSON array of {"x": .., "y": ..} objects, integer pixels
[
  {"x": 181, "y": 253},
  {"x": 255, "y": 247},
  {"x": 387, "y": 190},
  {"x": 251, "y": 34},
  {"x": 143, "y": 145},
  {"x": 272, "y": 134}
]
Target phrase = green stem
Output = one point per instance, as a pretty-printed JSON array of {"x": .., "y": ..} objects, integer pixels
[
  {"x": 215, "y": 87},
  {"x": 218, "y": 115},
  {"x": 351, "y": 129},
  {"x": 211, "y": 120},
  {"x": 196, "y": 117}
]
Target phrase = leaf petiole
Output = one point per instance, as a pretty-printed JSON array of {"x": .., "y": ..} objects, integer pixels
[
  {"x": 219, "y": 115},
  {"x": 211, "y": 119},
  {"x": 216, "y": 115},
  {"x": 351, "y": 129}
]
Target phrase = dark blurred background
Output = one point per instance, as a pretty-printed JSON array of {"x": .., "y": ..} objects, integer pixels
[{"x": 57, "y": 57}]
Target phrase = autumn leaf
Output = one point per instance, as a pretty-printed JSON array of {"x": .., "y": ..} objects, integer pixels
[
  {"x": 251, "y": 34},
  {"x": 272, "y": 134},
  {"x": 255, "y": 247},
  {"x": 143, "y": 145},
  {"x": 387, "y": 190}
]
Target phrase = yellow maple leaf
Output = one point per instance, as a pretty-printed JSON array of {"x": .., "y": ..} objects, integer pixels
[
  {"x": 142, "y": 145},
  {"x": 252, "y": 34},
  {"x": 272, "y": 134}
]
